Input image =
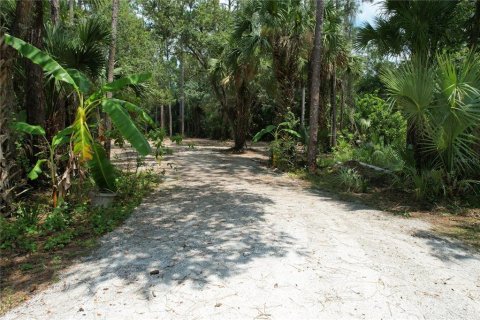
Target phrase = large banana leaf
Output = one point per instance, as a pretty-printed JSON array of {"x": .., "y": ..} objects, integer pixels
[
  {"x": 125, "y": 125},
  {"x": 39, "y": 57},
  {"x": 119, "y": 84},
  {"x": 83, "y": 83},
  {"x": 36, "y": 170},
  {"x": 263, "y": 132},
  {"x": 62, "y": 137},
  {"x": 102, "y": 170},
  {"x": 136, "y": 109},
  {"x": 28, "y": 128},
  {"x": 123, "y": 82},
  {"x": 82, "y": 139}
]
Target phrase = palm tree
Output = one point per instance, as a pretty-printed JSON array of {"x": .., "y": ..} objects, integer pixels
[
  {"x": 315, "y": 89},
  {"x": 278, "y": 29},
  {"x": 83, "y": 49},
  {"x": 443, "y": 101},
  {"x": 412, "y": 27},
  {"x": 110, "y": 68}
]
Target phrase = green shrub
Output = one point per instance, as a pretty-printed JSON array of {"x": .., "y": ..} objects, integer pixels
[
  {"x": 283, "y": 153},
  {"x": 343, "y": 151},
  {"x": 158, "y": 137},
  {"x": 178, "y": 138},
  {"x": 57, "y": 220},
  {"x": 377, "y": 122},
  {"x": 60, "y": 240},
  {"x": 351, "y": 180}
]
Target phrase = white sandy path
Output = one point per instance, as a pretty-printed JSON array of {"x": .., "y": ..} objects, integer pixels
[{"x": 232, "y": 240}]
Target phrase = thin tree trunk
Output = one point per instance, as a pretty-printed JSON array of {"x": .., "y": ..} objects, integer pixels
[
  {"x": 342, "y": 105},
  {"x": 170, "y": 122},
  {"x": 156, "y": 115},
  {"x": 333, "y": 102},
  {"x": 71, "y": 4},
  {"x": 315, "y": 89},
  {"x": 475, "y": 33},
  {"x": 162, "y": 117},
  {"x": 182, "y": 96},
  {"x": 55, "y": 11},
  {"x": 111, "y": 67},
  {"x": 34, "y": 94},
  {"x": 242, "y": 118},
  {"x": 302, "y": 121}
]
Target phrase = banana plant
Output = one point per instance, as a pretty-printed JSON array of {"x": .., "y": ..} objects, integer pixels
[
  {"x": 85, "y": 148},
  {"x": 286, "y": 127}
]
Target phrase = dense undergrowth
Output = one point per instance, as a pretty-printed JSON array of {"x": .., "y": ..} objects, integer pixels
[{"x": 38, "y": 240}]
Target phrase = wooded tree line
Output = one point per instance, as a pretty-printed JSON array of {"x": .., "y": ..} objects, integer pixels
[{"x": 229, "y": 69}]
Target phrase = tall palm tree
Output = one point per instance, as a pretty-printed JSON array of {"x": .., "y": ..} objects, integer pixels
[
  {"x": 111, "y": 67},
  {"x": 277, "y": 29},
  {"x": 315, "y": 89},
  {"x": 15, "y": 17}
]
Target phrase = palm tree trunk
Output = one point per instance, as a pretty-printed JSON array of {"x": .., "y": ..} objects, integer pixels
[
  {"x": 333, "y": 103},
  {"x": 8, "y": 166},
  {"x": 34, "y": 94},
  {"x": 111, "y": 67},
  {"x": 315, "y": 89},
  {"x": 55, "y": 11},
  {"x": 241, "y": 123},
  {"x": 9, "y": 170}
]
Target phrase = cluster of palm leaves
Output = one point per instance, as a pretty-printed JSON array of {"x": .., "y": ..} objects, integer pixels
[{"x": 442, "y": 99}]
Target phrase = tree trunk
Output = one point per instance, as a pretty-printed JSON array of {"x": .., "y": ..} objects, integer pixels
[
  {"x": 55, "y": 11},
  {"x": 302, "y": 119},
  {"x": 34, "y": 94},
  {"x": 162, "y": 117},
  {"x": 182, "y": 96},
  {"x": 8, "y": 166},
  {"x": 342, "y": 105},
  {"x": 9, "y": 170},
  {"x": 475, "y": 33},
  {"x": 111, "y": 68},
  {"x": 170, "y": 122},
  {"x": 315, "y": 89},
  {"x": 71, "y": 4},
  {"x": 242, "y": 119},
  {"x": 333, "y": 103}
]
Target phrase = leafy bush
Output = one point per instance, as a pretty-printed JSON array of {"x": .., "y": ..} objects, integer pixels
[
  {"x": 283, "y": 147},
  {"x": 376, "y": 122},
  {"x": 351, "y": 180},
  {"x": 178, "y": 138},
  {"x": 59, "y": 241},
  {"x": 377, "y": 154},
  {"x": 57, "y": 220},
  {"x": 158, "y": 137}
]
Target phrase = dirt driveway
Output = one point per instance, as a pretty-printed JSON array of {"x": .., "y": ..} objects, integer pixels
[{"x": 226, "y": 238}]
